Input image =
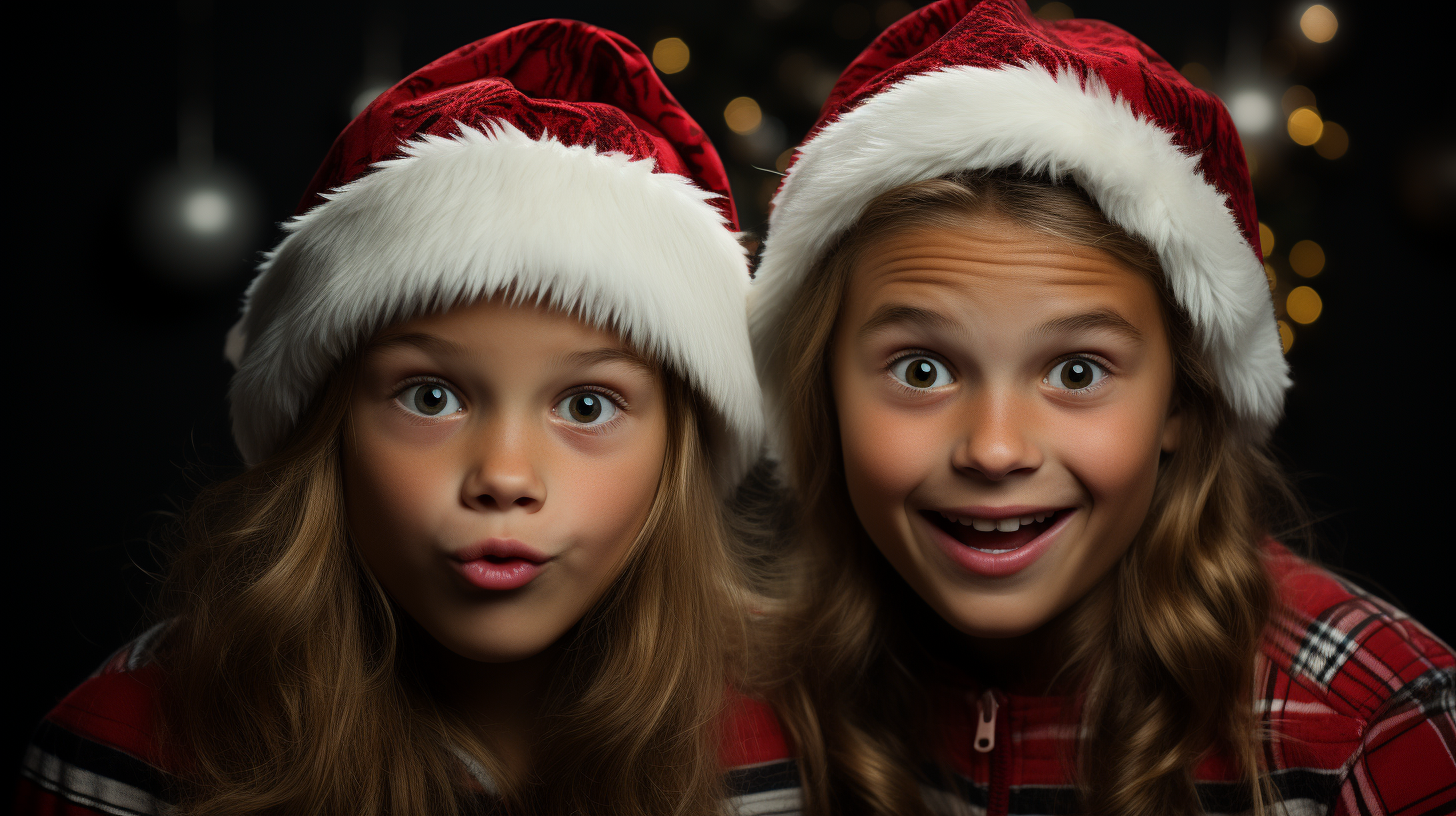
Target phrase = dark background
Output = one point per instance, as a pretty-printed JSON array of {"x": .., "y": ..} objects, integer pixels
[{"x": 123, "y": 337}]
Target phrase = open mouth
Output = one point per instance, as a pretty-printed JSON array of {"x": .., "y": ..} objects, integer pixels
[{"x": 993, "y": 536}]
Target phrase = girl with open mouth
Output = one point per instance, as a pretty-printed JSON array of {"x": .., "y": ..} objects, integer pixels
[{"x": 1021, "y": 355}]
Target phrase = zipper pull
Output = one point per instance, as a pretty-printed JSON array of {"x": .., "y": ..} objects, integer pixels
[{"x": 986, "y": 723}]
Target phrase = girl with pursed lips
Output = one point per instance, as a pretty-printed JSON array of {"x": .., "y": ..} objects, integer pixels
[{"x": 493, "y": 389}]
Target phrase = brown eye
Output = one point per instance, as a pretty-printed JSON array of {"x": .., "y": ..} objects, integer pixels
[
  {"x": 921, "y": 372},
  {"x": 1076, "y": 374},
  {"x": 430, "y": 400},
  {"x": 587, "y": 408}
]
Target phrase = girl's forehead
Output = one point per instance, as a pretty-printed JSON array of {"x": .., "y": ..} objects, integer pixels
[{"x": 999, "y": 270}]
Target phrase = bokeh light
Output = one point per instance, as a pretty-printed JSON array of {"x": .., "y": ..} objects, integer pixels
[
  {"x": 1318, "y": 23},
  {"x": 197, "y": 227},
  {"x": 890, "y": 12},
  {"x": 1266, "y": 239},
  {"x": 1297, "y": 97},
  {"x": 1333, "y": 141},
  {"x": 670, "y": 55},
  {"x": 1305, "y": 126},
  {"x": 1055, "y": 11},
  {"x": 1252, "y": 111},
  {"x": 743, "y": 115},
  {"x": 206, "y": 211},
  {"x": 1197, "y": 73},
  {"x": 364, "y": 97},
  {"x": 1273, "y": 278},
  {"x": 781, "y": 164},
  {"x": 1303, "y": 305},
  {"x": 1306, "y": 258},
  {"x": 1286, "y": 336}
]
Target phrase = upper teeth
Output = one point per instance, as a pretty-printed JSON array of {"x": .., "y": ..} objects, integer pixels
[{"x": 1006, "y": 525}]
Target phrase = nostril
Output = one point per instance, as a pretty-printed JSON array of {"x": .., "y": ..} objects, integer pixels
[{"x": 524, "y": 501}]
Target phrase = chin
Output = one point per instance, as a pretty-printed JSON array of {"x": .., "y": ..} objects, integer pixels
[
  {"x": 996, "y": 621},
  {"x": 496, "y": 652}
]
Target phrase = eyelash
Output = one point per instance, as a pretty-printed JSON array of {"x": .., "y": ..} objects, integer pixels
[
  {"x": 890, "y": 368},
  {"x": 1101, "y": 362},
  {"x": 411, "y": 382},
  {"x": 1082, "y": 393},
  {"x": 617, "y": 400}
]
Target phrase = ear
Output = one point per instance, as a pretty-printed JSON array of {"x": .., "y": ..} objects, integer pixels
[{"x": 1172, "y": 430}]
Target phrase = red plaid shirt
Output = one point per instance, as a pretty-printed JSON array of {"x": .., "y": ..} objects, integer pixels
[{"x": 1358, "y": 700}]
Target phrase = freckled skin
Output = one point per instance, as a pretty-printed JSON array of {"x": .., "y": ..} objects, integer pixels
[
  {"x": 1001, "y": 433},
  {"x": 509, "y": 465}
]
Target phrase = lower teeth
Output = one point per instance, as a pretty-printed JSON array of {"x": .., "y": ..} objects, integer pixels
[{"x": 992, "y": 552}]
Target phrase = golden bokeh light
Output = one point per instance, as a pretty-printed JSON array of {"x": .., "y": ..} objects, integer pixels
[
  {"x": 1273, "y": 278},
  {"x": 890, "y": 12},
  {"x": 1303, "y": 305},
  {"x": 1286, "y": 336},
  {"x": 1197, "y": 73},
  {"x": 1307, "y": 258},
  {"x": 1318, "y": 23},
  {"x": 1295, "y": 98},
  {"x": 670, "y": 55},
  {"x": 781, "y": 164},
  {"x": 1333, "y": 142},
  {"x": 1266, "y": 239},
  {"x": 1055, "y": 11},
  {"x": 743, "y": 115},
  {"x": 1305, "y": 126}
]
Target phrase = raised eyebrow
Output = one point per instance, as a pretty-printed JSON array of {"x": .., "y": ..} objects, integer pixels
[
  {"x": 420, "y": 340},
  {"x": 608, "y": 355},
  {"x": 894, "y": 314},
  {"x": 1102, "y": 319}
]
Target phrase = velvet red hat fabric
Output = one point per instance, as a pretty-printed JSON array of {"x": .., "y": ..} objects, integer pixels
[
  {"x": 581, "y": 84},
  {"x": 962, "y": 85},
  {"x": 548, "y": 162}
]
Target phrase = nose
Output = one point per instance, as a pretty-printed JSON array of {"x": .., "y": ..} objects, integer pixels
[
  {"x": 504, "y": 472},
  {"x": 996, "y": 438}
]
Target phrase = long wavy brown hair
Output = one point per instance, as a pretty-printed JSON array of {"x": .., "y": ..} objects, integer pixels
[
  {"x": 1161, "y": 652},
  {"x": 288, "y": 685}
]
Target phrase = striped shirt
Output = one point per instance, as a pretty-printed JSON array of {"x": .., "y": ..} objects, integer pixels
[{"x": 96, "y": 752}]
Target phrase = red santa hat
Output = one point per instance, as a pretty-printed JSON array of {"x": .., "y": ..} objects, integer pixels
[
  {"x": 549, "y": 160},
  {"x": 961, "y": 85}
]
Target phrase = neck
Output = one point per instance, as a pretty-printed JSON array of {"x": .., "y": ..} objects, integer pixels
[
  {"x": 500, "y": 702},
  {"x": 1027, "y": 664}
]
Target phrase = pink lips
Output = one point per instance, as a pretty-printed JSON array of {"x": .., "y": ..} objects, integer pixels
[
  {"x": 499, "y": 564},
  {"x": 1001, "y": 564}
]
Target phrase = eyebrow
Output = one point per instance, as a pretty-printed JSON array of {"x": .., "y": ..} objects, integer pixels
[
  {"x": 893, "y": 314},
  {"x": 1099, "y": 320},
  {"x": 425, "y": 342},
  {"x": 604, "y": 354}
]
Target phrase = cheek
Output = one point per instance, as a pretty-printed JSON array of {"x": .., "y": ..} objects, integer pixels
[
  {"x": 608, "y": 499},
  {"x": 393, "y": 502},
  {"x": 887, "y": 453},
  {"x": 1115, "y": 457}
]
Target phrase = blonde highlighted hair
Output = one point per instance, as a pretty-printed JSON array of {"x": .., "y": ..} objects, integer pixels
[
  {"x": 286, "y": 683},
  {"x": 1173, "y": 630}
]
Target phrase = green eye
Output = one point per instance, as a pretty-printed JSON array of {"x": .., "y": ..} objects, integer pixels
[
  {"x": 918, "y": 371},
  {"x": 1076, "y": 374},
  {"x": 429, "y": 400},
  {"x": 587, "y": 408}
]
